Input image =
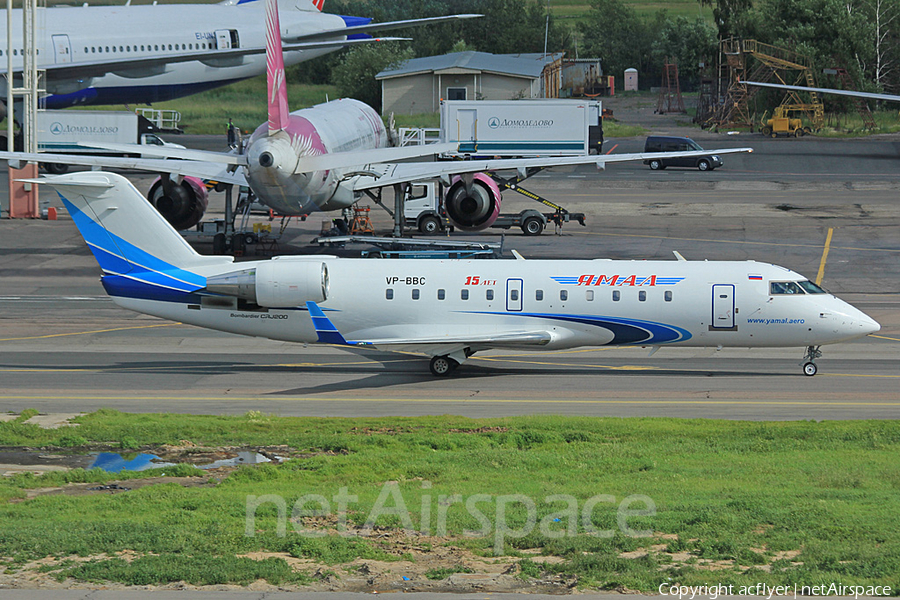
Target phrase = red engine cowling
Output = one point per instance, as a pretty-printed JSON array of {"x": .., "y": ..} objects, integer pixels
[
  {"x": 476, "y": 210},
  {"x": 182, "y": 205}
]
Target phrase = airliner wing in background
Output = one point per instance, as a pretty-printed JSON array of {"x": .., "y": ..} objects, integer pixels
[
  {"x": 190, "y": 168},
  {"x": 392, "y": 173},
  {"x": 800, "y": 88}
]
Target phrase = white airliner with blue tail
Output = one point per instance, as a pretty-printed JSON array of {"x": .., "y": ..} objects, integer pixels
[{"x": 448, "y": 309}]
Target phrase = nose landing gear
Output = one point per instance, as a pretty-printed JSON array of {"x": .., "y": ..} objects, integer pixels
[{"x": 809, "y": 364}]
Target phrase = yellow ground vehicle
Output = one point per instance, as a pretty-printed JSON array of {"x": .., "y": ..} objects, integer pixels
[{"x": 782, "y": 124}]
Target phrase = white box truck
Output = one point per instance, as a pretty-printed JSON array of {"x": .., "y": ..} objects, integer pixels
[
  {"x": 510, "y": 128},
  {"x": 62, "y": 132}
]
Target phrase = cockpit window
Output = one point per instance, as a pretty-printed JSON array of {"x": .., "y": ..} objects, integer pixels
[
  {"x": 810, "y": 288},
  {"x": 784, "y": 287}
]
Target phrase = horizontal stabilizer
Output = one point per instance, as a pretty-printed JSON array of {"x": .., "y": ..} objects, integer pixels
[
  {"x": 386, "y": 26},
  {"x": 853, "y": 93},
  {"x": 225, "y": 158}
]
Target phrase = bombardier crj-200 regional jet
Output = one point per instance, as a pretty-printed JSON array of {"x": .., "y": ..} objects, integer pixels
[
  {"x": 142, "y": 54},
  {"x": 448, "y": 309},
  {"x": 323, "y": 158}
]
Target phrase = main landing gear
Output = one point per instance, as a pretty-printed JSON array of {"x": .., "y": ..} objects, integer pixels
[
  {"x": 809, "y": 360},
  {"x": 441, "y": 366}
]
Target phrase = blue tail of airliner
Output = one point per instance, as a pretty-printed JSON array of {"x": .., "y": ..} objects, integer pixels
[{"x": 139, "y": 252}]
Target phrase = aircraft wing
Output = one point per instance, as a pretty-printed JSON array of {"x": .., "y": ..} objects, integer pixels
[
  {"x": 192, "y": 168},
  {"x": 432, "y": 344},
  {"x": 800, "y": 88},
  {"x": 412, "y": 172}
]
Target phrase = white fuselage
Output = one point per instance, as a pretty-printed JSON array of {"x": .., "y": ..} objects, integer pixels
[
  {"x": 94, "y": 34},
  {"x": 579, "y": 303},
  {"x": 344, "y": 125}
]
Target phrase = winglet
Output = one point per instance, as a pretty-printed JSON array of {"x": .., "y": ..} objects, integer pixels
[
  {"x": 278, "y": 101},
  {"x": 325, "y": 329}
]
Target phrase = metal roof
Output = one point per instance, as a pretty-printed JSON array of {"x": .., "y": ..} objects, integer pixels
[{"x": 522, "y": 65}]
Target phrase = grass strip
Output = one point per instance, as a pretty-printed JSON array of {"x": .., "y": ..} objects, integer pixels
[{"x": 735, "y": 502}]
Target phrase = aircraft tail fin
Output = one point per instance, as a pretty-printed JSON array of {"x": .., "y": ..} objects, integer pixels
[
  {"x": 127, "y": 236},
  {"x": 277, "y": 86},
  {"x": 319, "y": 4}
]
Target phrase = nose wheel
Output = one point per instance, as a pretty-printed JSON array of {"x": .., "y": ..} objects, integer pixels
[
  {"x": 809, "y": 361},
  {"x": 441, "y": 366}
]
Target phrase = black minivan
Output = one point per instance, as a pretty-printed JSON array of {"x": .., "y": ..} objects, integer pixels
[{"x": 658, "y": 143}]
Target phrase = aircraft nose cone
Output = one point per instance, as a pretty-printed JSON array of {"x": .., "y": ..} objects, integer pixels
[{"x": 870, "y": 326}]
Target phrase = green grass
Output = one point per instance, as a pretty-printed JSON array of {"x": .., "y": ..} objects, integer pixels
[{"x": 724, "y": 491}]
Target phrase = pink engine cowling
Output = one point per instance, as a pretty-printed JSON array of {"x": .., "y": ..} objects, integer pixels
[
  {"x": 475, "y": 209},
  {"x": 182, "y": 205}
]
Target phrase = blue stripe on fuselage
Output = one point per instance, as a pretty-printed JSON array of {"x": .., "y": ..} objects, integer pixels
[{"x": 132, "y": 94}]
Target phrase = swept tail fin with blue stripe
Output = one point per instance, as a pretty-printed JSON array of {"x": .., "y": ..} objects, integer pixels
[
  {"x": 128, "y": 237},
  {"x": 325, "y": 329}
]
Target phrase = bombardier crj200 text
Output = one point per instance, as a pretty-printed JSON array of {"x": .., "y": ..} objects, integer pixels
[{"x": 448, "y": 309}]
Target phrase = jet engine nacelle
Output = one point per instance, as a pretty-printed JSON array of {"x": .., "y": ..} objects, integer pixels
[
  {"x": 287, "y": 283},
  {"x": 277, "y": 283},
  {"x": 476, "y": 207},
  {"x": 183, "y": 204}
]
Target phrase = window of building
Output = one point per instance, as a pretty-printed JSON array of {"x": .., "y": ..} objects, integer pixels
[{"x": 456, "y": 93}]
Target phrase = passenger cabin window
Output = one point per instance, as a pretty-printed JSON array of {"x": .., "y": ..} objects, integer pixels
[
  {"x": 441, "y": 294},
  {"x": 642, "y": 295},
  {"x": 464, "y": 295},
  {"x": 589, "y": 295},
  {"x": 780, "y": 288},
  {"x": 668, "y": 296},
  {"x": 514, "y": 295},
  {"x": 617, "y": 295},
  {"x": 389, "y": 294},
  {"x": 538, "y": 295},
  {"x": 415, "y": 294},
  {"x": 489, "y": 294},
  {"x": 563, "y": 295}
]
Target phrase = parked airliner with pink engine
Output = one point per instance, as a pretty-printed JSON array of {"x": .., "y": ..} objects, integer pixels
[
  {"x": 448, "y": 309},
  {"x": 325, "y": 158}
]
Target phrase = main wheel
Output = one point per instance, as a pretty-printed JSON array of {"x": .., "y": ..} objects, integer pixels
[
  {"x": 655, "y": 165},
  {"x": 703, "y": 164},
  {"x": 441, "y": 366},
  {"x": 810, "y": 369},
  {"x": 532, "y": 226},
  {"x": 55, "y": 168},
  {"x": 429, "y": 224}
]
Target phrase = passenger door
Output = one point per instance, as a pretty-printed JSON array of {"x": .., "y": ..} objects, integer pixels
[
  {"x": 723, "y": 308},
  {"x": 62, "y": 49}
]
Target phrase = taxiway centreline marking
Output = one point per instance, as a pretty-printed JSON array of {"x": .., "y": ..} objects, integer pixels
[
  {"x": 54, "y": 335},
  {"x": 884, "y": 337},
  {"x": 821, "y": 272},
  {"x": 181, "y": 398}
]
